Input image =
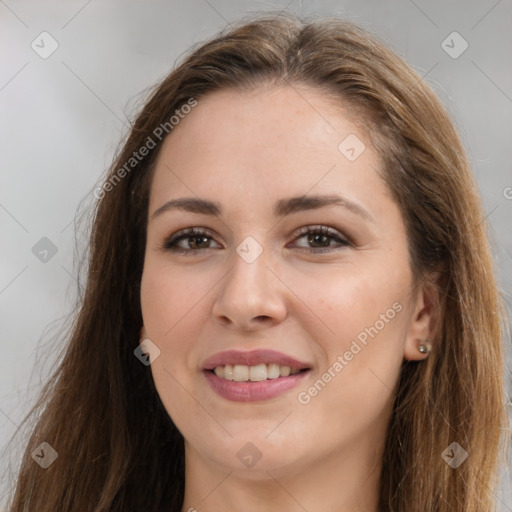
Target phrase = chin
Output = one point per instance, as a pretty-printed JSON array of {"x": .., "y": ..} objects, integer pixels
[{"x": 250, "y": 456}]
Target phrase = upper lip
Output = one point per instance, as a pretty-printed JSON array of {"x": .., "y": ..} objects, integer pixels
[{"x": 252, "y": 358}]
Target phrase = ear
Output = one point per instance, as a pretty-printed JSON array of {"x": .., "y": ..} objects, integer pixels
[
  {"x": 424, "y": 320},
  {"x": 143, "y": 333}
]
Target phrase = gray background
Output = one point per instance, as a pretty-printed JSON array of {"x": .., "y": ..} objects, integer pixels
[{"x": 63, "y": 116}]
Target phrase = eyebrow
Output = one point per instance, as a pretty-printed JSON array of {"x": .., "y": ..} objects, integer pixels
[{"x": 282, "y": 207}]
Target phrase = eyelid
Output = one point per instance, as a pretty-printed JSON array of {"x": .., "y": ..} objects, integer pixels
[
  {"x": 185, "y": 233},
  {"x": 343, "y": 240},
  {"x": 324, "y": 229},
  {"x": 169, "y": 244}
]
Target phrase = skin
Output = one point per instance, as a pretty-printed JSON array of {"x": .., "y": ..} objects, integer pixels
[{"x": 246, "y": 151}]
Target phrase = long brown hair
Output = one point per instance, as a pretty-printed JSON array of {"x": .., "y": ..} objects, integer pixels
[{"x": 118, "y": 449}]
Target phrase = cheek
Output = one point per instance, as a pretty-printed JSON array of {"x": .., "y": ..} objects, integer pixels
[
  {"x": 353, "y": 391},
  {"x": 171, "y": 307},
  {"x": 169, "y": 296},
  {"x": 171, "y": 310},
  {"x": 362, "y": 351},
  {"x": 175, "y": 305},
  {"x": 352, "y": 300}
]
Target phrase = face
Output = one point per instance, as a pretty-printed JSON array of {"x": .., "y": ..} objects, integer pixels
[{"x": 269, "y": 334}]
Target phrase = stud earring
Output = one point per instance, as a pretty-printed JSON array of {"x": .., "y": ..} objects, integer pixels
[{"x": 425, "y": 347}]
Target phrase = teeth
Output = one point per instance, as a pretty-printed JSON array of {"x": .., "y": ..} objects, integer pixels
[
  {"x": 228, "y": 372},
  {"x": 240, "y": 373},
  {"x": 257, "y": 373},
  {"x": 284, "y": 371},
  {"x": 273, "y": 371}
]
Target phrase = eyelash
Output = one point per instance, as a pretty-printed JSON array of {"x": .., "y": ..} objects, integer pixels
[{"x": 170, "y": 244}]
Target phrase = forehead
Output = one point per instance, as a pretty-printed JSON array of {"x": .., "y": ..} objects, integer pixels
[{"x": 266, "y": 141}]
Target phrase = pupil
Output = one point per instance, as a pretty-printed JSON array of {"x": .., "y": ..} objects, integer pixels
[
  {"x": 194, "y": 241},
  {"x": 313, "y": 238}
]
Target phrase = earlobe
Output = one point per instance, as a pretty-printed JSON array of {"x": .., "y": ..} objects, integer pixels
[
  {"x": 420, "y": 351},
  {"x": 423, "y": 323},
  {"x": 425, "y": 347},
  {"x": 142, "y": 333}
]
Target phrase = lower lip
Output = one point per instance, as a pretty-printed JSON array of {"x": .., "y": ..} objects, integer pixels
[{"x": 253, "y": 391}]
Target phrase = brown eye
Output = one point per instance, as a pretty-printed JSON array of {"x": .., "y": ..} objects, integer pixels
[
  {"x": 319, "y": 239},
  {"x": 196, "y": 242},
  {"x": 188, "y": 241}
]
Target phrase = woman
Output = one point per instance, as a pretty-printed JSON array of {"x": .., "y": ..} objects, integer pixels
[{"x": 290, "y": 301}]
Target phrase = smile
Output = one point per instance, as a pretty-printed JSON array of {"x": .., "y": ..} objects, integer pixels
[{"x": 258, "y": 373}]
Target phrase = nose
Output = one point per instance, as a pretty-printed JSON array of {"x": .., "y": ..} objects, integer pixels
[{"x": 251, "y": 296}]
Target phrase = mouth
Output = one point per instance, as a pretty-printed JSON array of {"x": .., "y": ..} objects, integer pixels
[{"x": 253, "y": 376}]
